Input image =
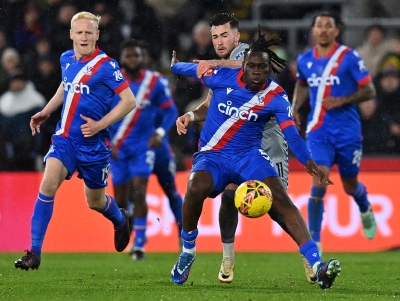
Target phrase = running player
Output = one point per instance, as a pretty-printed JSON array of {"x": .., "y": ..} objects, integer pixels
[
  {"x": 136, "y": 137},
  {"x": 334, "y": 79},
  {"x": 229, "y": 152},
  {"x": 90, "y": 80}
]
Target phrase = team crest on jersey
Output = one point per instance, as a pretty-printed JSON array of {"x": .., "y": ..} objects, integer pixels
[
  {"x": 88, "y": 70},
  {"x": 260, "y": 100}
]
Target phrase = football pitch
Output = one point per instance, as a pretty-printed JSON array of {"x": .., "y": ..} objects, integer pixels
[{"x": 258, "y": 276}]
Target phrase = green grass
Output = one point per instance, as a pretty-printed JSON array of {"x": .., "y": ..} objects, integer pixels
[{"x": 258, "y": 276}]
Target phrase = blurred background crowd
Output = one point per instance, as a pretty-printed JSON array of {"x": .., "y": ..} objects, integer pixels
[{"x": 33, "y": 34}]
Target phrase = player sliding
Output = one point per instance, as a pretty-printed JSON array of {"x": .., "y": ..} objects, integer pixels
[{"x": 230, "y": 151}]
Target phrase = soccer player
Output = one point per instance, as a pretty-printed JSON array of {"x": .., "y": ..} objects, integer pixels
[
  {"x": 225, "y": 37},
  {"x": 90, "y": 79},
  {"x": 230, "y": 151},
  {"x": 137, "y": 136},
  {"x": 335, "y": 79}
]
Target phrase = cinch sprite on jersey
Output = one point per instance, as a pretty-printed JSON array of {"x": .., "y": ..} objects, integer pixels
[
  {"x": 339, "y": 73},
  {"x": 90, "y": 85}
]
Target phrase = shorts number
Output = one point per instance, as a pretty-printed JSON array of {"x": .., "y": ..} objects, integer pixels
[
  {"x": 357, "y": 154},
  {"x": 105, "y": 171},
  {"x": 150, "y": 158}
]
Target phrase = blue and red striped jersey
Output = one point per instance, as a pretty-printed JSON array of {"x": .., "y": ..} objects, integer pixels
[
  {"x": 339, "y": 73},
  {"x": 90, "y": 85},
  {"x": 152, "y": 93}
]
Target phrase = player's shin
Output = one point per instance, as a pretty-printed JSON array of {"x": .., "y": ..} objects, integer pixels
[{"x": 42, "y": 214}]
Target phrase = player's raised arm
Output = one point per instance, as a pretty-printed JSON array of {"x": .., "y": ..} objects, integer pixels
[{"x": 205, "y": 65}]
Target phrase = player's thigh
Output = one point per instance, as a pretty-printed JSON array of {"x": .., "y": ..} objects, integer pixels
[
  {"x": 348, "y": 159},
  {"x": 281, "y": 200},
  {"x": 165, "y": 170},
  {"x": 218, "y": 167},
  {"x": 93, "y": 167},
  {"x": 277, "y": 149}
]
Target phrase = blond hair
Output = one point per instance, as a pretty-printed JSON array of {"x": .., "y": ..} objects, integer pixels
[{"x": 86, "y": 15}]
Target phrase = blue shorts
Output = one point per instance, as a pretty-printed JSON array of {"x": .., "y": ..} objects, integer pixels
[
  {"x": 93, "y": 166},
  {"x": 225, "y": 169},
  {"x": 137, "y": 164},
  {"x": 165, "y": 164},
  {"x": 347, "y": 154}
]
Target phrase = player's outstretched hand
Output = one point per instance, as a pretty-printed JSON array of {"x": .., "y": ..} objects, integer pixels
[
  {"x": 174, "y": 60},
  {"x": 313, "y": 169},
  {"x": 90, "y": 128},
  {"x": 181, "y": 124},
  {"x": 203, "y": 67},
  {"x": 36, "y": 121},
  {"x": 333, "y": 102}
]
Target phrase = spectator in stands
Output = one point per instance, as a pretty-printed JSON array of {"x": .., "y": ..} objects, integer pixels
[
  {"x": 33, "y": 25},
  {"x": 389, "y": 101},
  {"x": 373, "y": 130},
  {"x": 391, "y": 60},
  {"x": 202, "y": 47},
  {"x": 374, "y": 48},
  {"x": 109, "y": 26},
  {"x": 17, "y": 105},
  {"x": 10, "y": 61},
  {"x": 59, "y": 33},
  {"x": 42, "y": 49}
]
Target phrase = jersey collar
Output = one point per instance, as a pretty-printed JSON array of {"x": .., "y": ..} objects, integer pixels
[
  {"x": 242, "y": 84},
  {"x": 329, "y": 54},
  {"x": 90, "y": 57}
]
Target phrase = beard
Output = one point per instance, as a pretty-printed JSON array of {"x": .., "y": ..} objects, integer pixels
[{"x": 133, "y": 70}]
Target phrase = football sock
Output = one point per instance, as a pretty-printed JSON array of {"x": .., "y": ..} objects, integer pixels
[
  {"x": 228, "y": 216},
  {"x": 228, "y": 250},
  {"x": 360, "y": 196},
  {"x": 112, "y": 212},
  {"x": 189, "y": 241},
  {"x": 315, "y": 211},
  {"x": 42, "y": 213},
  {"x": 139, "y": 226},
  {"x": 310, "y": 251},
  {"x": 175, "y": 202}
]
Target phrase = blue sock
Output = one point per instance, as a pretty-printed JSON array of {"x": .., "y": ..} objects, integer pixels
[
  {"x": 360, "y": 196},
  {"x": 189, "y": 238},
  {"x": 42, "y": 213},
  {"x": 315, "y": 211},
  {"x": 175, "y": 202},
  {"x": 310, "y": 251},
  {"x": 112, "y": 212},
  {"x": 139, "y": 226}
]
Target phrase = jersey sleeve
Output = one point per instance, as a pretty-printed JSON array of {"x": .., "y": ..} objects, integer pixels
[
  {"x": 113, "y": 78},
  {"x": 238, "y": 52},
  {"x": 358, "y": 69}
]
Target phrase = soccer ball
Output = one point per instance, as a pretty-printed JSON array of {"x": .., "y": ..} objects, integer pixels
[{"x": 253, "y": 198}]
